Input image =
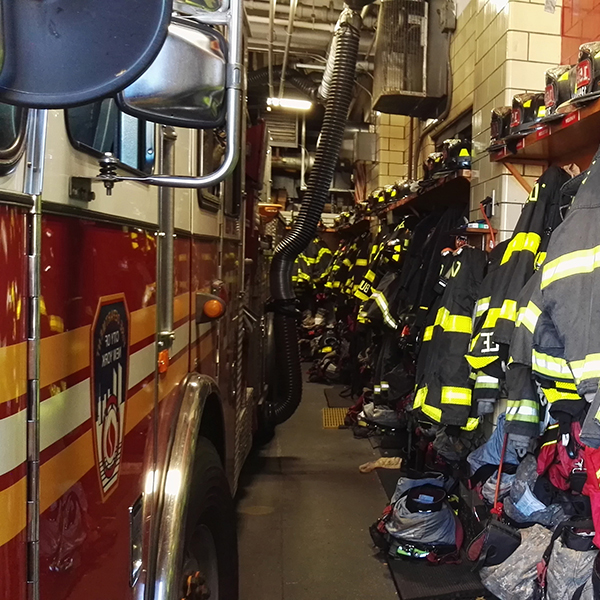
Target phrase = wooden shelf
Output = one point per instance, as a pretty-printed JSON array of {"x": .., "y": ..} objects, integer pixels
[
  {"x": 574, "y": 138},
  {"x": 473, "y": 231},
  {"x": 358, "y": 226},
  {"x": 445, "y": 191}
]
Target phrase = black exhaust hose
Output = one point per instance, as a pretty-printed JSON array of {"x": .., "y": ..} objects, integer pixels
[
  {"x": 301, "y": 82},
  {"x": 283, "y": 303}
]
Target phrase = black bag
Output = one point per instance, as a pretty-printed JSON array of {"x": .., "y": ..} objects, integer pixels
[{"x": 493, "y": 545}]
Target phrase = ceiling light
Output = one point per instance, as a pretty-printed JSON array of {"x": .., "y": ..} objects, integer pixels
[{"x": 289, "y": 103}]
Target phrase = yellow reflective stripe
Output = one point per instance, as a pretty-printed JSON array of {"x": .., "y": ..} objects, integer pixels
[
  {"x": 361, "y": 262},
  {"x": 455, "y": 323},
  {"x": 431, "y": 411},
  {"x": 523, "y": 241},
  {"x": 322, "y": 252},
  {"x": 528, "y": 316},
  {"x": 370, "y": 276},
  {"x": 396, "y": 257},
  {"x": 487, "y": 382},
  {"x": 420, "y": 397},
  {"x": 456, "y": 395},
  {"x": 550, "y": 443},
  {"x": 539, "y": 260},
  {"x": 472, "y": 424},
  {"x": 361, "y": 295},
  {"x": 565, "y": 386},
  {"x": 336, "y": 284},
  {"x": 522, "y": 410},
  {"x": 435, "y": 414},
  {"x": 482, "y": 305},
  {"x": 328, "y": 284},
  {"x": 479, "y": 362},
  {"x": 385, "y": 311},
  {"x": 551, "y": 366},
  {"x": 573, "y": 263},
  {"x": 588, "y": 368},
  {"x": 491, "y": 318},
  {"x": 508, "y": 310},
  {"x": 347, "y": 262},
  {"x": 428, "y": 333},
  {"x": 554, "y": 395}
]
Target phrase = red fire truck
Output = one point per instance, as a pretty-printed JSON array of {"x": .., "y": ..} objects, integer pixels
[
  {"x": 131, "y": 339},
  {"x": 130, "y": 353}
]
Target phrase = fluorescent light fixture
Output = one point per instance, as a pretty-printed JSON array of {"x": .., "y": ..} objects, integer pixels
[{"x": 289, "y": 103}]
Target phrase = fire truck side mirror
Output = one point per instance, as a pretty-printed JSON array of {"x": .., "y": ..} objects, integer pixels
[
  {"x": 196, "y": 82},
  {"x": 69, "y": 54},
  {"x": 185, "y": 86}
]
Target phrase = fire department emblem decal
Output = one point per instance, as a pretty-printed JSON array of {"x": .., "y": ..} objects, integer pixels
[{"x": 110, "y": 365}]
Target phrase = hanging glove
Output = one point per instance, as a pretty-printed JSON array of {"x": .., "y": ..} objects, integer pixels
[
  {"x": 485, "y": 407},
  {"x": 520, "y": 443}
]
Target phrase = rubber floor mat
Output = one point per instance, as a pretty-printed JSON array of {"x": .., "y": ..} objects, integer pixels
[
  {"x": 418, "y": 580},
  {"x": 334, "y": 400},
  {"x": 333, "y": 418},
  {"x": 389, "y": 479}
]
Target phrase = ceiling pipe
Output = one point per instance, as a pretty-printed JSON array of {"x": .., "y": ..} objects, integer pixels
[
  {"x": 362, "y": 65},
  {"x": 321, "y": 14},
  {"x": 288, "y": 42},
  {"x": 297, "y": 24},
  {"x": 316, "y": 14},
  {"x": 292, "y": 163},
  {"x": 272, "y": 7},
  {"x": 313, "y": 41}
]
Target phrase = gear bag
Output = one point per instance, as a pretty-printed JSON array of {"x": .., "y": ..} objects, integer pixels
[
  {"x": 567, "y": 562},
  {"x": 419, "y": 523},
  {"x": 514, "y": 579}
]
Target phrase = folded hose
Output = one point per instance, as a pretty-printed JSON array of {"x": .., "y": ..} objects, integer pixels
[
  {"x": 300, "y": 81},
  {"x": 289, "y": 388}
]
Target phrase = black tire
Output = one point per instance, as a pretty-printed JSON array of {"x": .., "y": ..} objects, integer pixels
[{"x": 211, "y": 508}]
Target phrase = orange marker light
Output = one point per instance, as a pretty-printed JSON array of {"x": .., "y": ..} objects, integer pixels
[
  {"x": 163, "y": 361},
  {"x": 213, "y": 309}
]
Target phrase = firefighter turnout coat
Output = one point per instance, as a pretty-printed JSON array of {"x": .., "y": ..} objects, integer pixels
[{"x": 444, "y": 385}]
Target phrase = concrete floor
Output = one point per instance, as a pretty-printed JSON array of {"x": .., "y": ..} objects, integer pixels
[{"x": 304, "y": 511}]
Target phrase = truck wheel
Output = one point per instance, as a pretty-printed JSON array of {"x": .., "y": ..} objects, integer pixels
[{"x": 210, "y": 559}]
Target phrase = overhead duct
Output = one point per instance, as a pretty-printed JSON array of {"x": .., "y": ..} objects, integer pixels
[
  {"x": 411, "y": 57},
  {"x": 292, "y": 163},
  {"x": 283, "y": 128},
  {"x": 300, "y": 81},
  {"x": 288, "y": 391}
]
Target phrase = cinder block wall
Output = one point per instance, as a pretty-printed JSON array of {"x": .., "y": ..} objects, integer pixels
[
  {"x": 500, "y": 48},
  {"x": 392, "y": 150}
]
